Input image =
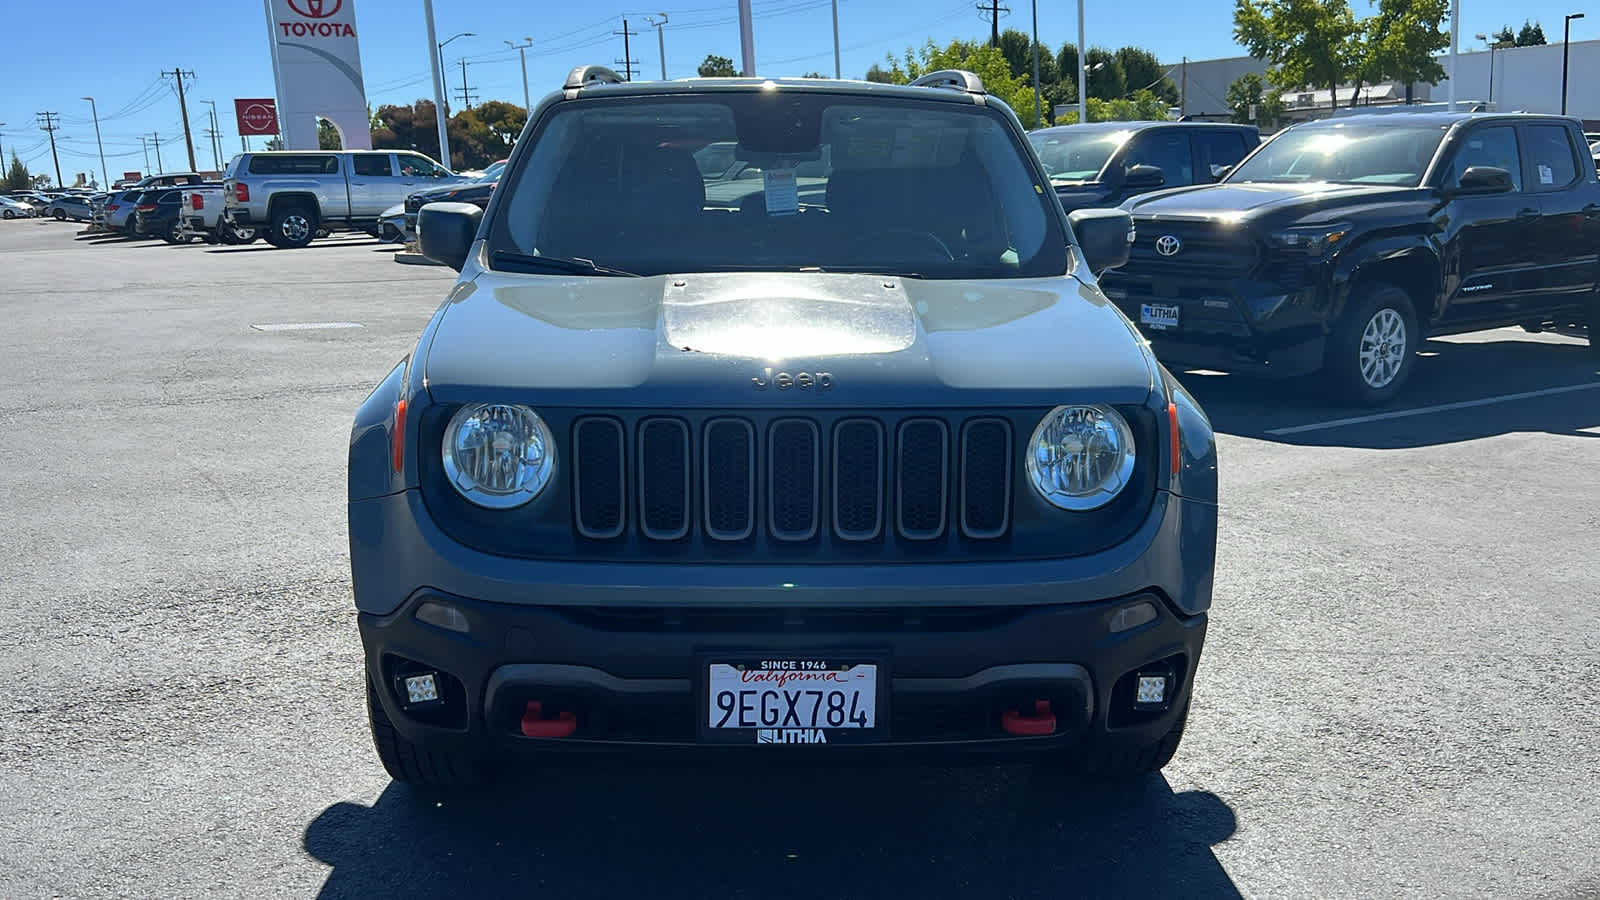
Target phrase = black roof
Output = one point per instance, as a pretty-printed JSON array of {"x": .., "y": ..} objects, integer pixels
[{"x": 1139, "y": 125}]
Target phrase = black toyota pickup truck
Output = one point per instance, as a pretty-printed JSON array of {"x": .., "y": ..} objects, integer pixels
[{"x": 1338, "y": 246}]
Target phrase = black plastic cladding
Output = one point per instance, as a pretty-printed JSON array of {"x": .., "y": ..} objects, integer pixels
[{"x": 566, "y": 522}]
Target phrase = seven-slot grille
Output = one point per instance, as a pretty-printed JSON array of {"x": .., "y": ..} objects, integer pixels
[{"x": 792, "y": 478}]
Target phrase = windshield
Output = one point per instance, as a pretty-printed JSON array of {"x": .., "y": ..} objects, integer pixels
[
  {"x": 1076, "y": 155},
  {"x": 821, "y": 183},
  {"x": 1386, "y": 153}
]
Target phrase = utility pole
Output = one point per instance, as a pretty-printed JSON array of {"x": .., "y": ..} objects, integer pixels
[
  {"x": 661, "y": 42},
  {"x": 184, "y": 108},
  {"x": 155, "y": 138},
  {"x": 994, "y": 9},
  {"x": 98, "y": 146},
  {"x": 466, "y": 92},
  {"x": 627, "y": 62},
  {"x": 49, "y": 125},
  {"x": 215, "y": 135},
  {"x": 4, "y": 168},
  {"x": 1183, "y": 92},
  {"x": 1566, "y": 38},
  {"x": 146, "y": 148},
  {"x": 522, "y": 51}
]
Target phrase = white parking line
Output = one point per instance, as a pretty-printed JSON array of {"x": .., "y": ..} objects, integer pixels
[
  {"x": 1428, "y": 410},
  {"x": 305, "y": 326}
]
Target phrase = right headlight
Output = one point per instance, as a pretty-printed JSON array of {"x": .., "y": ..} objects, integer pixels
[
  {"x": 498, "y": 455},
  {"x": 1081, "y": 457}
]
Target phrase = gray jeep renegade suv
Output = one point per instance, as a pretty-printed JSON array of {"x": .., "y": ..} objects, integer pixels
[{"x": 846, "y": 449}]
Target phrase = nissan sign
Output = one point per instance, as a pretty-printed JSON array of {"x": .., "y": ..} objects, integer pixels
[{"x": 257, "y": 116}]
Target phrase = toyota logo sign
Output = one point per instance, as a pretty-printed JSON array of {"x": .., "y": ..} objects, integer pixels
[
  {"x": 316, "y": 9},
  {"x": 1168, "y": 245}
]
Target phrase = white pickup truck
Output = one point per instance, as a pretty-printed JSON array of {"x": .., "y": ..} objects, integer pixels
[
  {"x": 292, "y": 195},
  {"x": 200, "y": 215}
]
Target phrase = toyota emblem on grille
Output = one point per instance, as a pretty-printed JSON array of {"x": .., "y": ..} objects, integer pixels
[{"x": 1168, "y": 245}]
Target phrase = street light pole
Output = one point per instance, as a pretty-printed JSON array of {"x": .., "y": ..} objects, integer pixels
[
  {"x": 837, "y": 72},
  {"x": 98, "y": 146},
  {"x": 216, "y": 145},
  {"x": 1038, "y": 102},
  {"x": 1083, "y": 72},
  {"x": 146, "y": 148},
  {"x": 661, "y": 41},
  {"x": 1566, "y": 36},
  {"x": 1492, "y": 46},
  {"x": 442, "y": 66},
  {"x": 522, "y": 51},
  {"x": 747, "y": 40}
]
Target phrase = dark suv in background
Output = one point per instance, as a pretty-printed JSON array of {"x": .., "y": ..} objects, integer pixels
[
  {"x": 1340, "y": 245},
  {"x": 1102, "y": 164}
]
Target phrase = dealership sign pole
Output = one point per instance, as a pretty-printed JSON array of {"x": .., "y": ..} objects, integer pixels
[{"x": 317, "y": 67}]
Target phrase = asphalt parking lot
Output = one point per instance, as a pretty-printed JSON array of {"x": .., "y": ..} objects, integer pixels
[{"x": 1397, "y": 696}]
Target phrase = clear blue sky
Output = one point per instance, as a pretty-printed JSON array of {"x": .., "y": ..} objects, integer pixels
[{"x": 115, "y": 51}]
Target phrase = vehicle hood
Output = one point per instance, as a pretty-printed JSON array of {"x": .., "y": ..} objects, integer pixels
[
  {"x": 1254, "y": 202},
  {"x": 725, "y": 340}
]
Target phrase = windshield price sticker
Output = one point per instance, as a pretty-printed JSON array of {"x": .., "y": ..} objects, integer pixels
[
  {"x": 792, "y": 701},
  {"x": 782, "y": 192}
]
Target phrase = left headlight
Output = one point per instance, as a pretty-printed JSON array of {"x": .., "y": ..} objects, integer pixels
[
  {"x": 1081, "y": 457},
  {"x": 498, "y": 455},
  {"x": 1315, "y": 240}
]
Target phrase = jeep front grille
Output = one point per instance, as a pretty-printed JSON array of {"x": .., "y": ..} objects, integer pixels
[{"x": 796, "y": 477}]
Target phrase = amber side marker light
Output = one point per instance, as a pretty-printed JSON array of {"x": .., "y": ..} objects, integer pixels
[
  {"x": 397, "y": 436},
  {"x": 1172, "y": 427}
]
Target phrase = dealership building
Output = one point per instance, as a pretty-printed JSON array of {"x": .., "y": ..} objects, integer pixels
[{"x": 1524, "y": 79}]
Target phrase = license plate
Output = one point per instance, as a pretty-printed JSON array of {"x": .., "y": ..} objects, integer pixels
[
  {"x": 1159, "y": 315},
  {"x": 788, "y": 700}
]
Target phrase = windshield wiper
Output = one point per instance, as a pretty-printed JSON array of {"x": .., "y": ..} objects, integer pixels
[{"x": 560, "y": 265}]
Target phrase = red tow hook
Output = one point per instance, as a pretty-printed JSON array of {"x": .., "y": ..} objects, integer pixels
[
  {"x": 534, "y": 723},
  {"x": 1043, "y": 721}
]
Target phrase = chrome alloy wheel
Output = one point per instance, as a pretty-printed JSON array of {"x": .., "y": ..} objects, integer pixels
[{"x": 1383, "y": 348}]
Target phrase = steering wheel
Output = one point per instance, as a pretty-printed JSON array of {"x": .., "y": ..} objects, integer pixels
[{"x": 921, "y": 245}]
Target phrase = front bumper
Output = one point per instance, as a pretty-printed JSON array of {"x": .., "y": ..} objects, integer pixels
[
  {"x": 634, "y": 678},
  {"x": 623, "y": 646},
  {"x": 1234, "y": 325}
]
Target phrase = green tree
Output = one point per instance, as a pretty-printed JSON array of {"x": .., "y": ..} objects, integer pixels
[
  {"x": 1249, "y": 90},
  {"x": 880, "y": 75},
  {"x": 1104, "y": 74},
  {"x": 1401, "y": 43},
  {"x": 328, "y": 136},
  {"x": 1067, "y": 65},
  {"x": 717, "y": 67},
  {"x": 1531, "y": 35},
  {"x": 17, "y": 177},
  {"x": 813, "y": 75},
  {"x": 1305, "y": 42},
  {"x": 489, "y": 129},
  {"x": 1144, "y": 71},
  {"x": 1017, "y": 48}
]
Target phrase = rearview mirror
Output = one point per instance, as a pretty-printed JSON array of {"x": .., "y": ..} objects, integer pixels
[
  {"x": 1103, "y": 236},
  {"x": 1142, "y": 176},
  {"x": 1483, "y": 180},
  {"x": 445, "y": 232}
]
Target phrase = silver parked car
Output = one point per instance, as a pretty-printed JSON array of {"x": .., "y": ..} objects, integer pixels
[{"x": 70, "y": 206}]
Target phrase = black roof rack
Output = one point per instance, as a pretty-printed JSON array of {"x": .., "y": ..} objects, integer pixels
[
  {"x": 952, "y": 79},
  {"x": 583, "y": 76}
]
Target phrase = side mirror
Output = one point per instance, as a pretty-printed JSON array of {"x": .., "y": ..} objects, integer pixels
[
  {"x": 1103, "y": 236},
  {"x": 1142, "y": 176},
  {"x": 445, "y": 232},
  {"x": 1483, "y": 180},
  {"x": 1220, "y": 172}
]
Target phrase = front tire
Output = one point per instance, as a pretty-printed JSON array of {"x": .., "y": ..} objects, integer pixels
[
  {"x": 291, "y": 227},
  {"x": 61, "y": 215},
  {"x": 1373, "y": 348},
  {"x": 8, "y": 214},
  {"x": 413, "y": 763}
]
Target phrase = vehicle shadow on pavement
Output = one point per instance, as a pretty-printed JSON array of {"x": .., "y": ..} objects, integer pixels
[
  {"x": 1462, "y": 376},
  {"x": 314, "y": 245},
  {"x": 702, "y": 830}
]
